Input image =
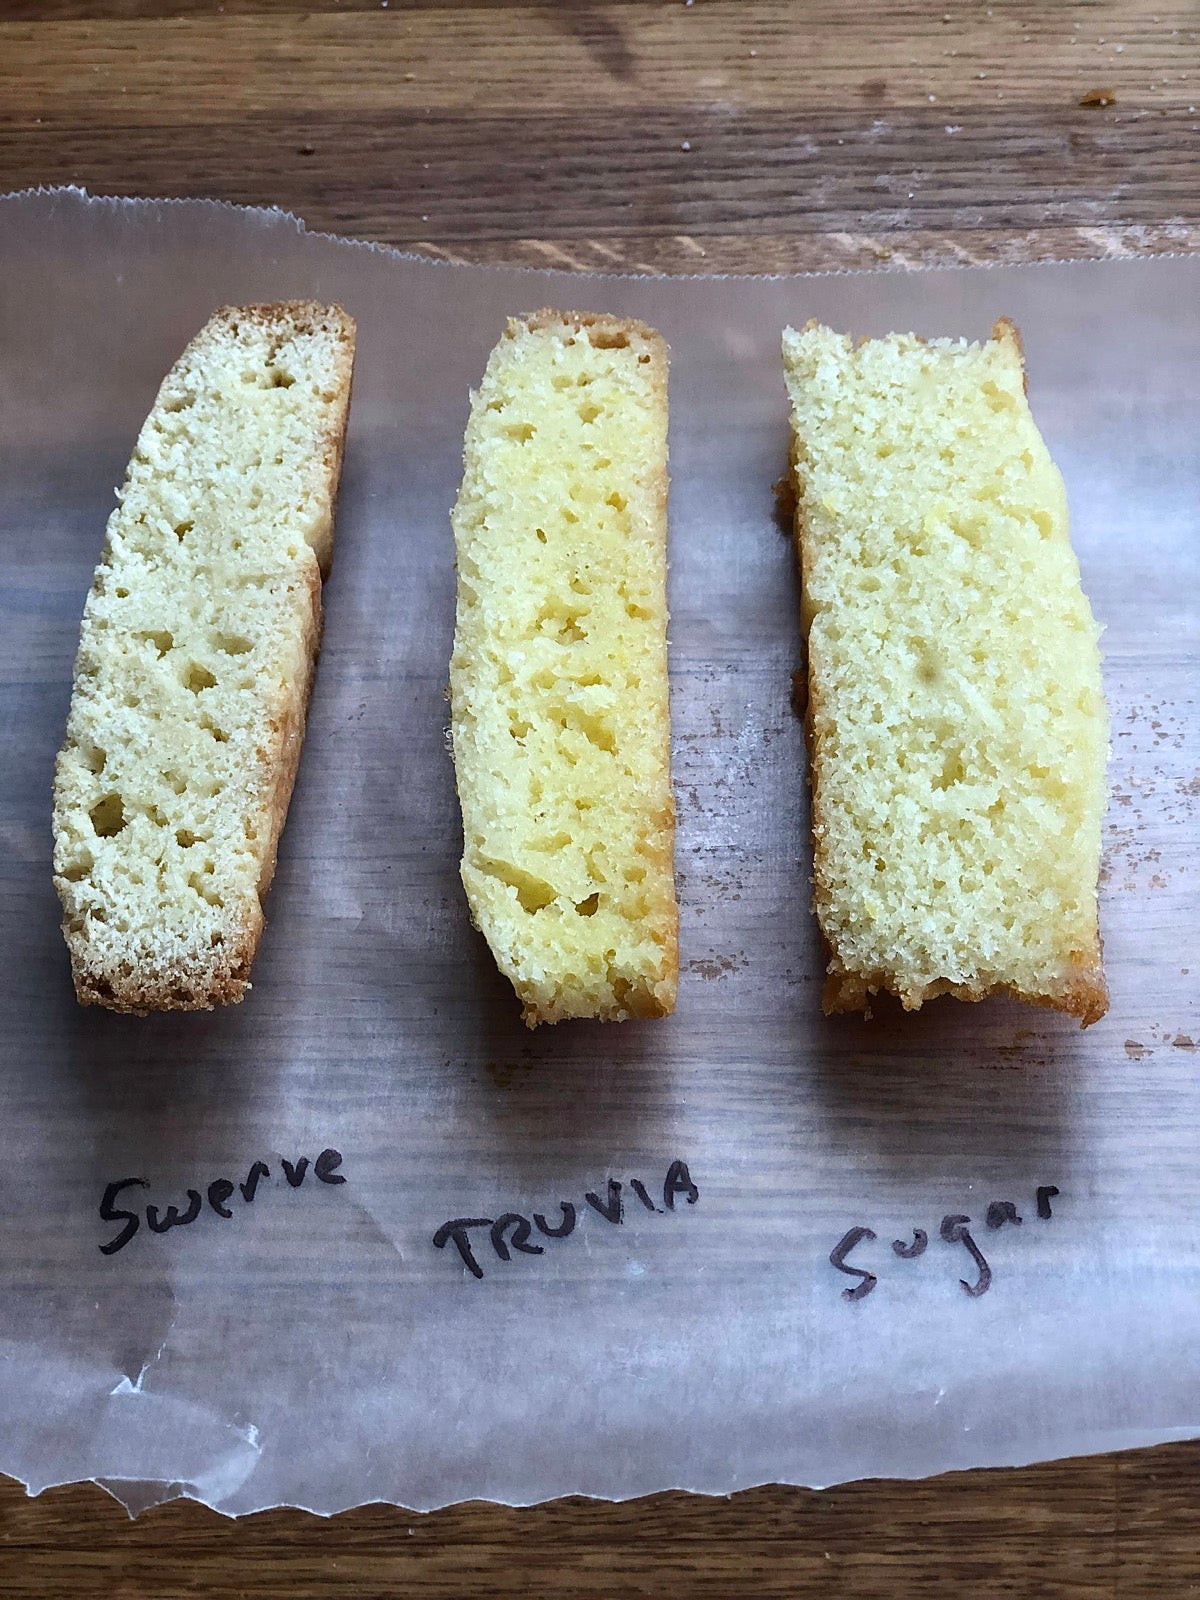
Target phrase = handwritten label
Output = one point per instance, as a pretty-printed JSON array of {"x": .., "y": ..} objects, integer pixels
[
  {"x": 511, "y": 1230},
  {"x": 218, "y": 1193},
  {"x": 955, "y": 1229}
]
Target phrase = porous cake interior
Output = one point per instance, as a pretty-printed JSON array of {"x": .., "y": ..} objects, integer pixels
[
  {"x": 957, "y": 722},
  {"x": 194, "y": 660},
  {"x": 559, "y": 680}
]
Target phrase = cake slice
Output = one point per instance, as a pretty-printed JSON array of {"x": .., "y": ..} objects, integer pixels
[
  {"x": 560, "y": 718},
  {"x": 956, "y": 720},
  {"x": 195, "y": 662}
]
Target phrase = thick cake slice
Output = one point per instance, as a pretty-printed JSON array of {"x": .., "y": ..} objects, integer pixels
[
  {"x": 558, "y": 680},
  {"x": 196, "y": 659},
  {"x": 957, "y": 726}
]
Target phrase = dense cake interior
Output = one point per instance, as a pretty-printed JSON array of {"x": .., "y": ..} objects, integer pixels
[{"x": 957, "y": 722}]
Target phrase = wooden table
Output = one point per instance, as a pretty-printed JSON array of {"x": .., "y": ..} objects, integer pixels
[{"x": 724, "y": 135}]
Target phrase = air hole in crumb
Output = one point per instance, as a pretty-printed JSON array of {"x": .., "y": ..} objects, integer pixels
[
  {"x": 96, "y": 759},
  {"x": 953, "y": 771},
  {"x": 588, "y": 907},
  {"x": 162, "y": 641},
  {"x": 589, "y": 411},
  {"x": 121, "y": 594},
  {"x": 233, "y": 644},
  {"x": 610, "y": 339},
  {"x": 597, "y": 731},
  {"x": 180, "y": 403},
  {"x": 79, "y": 868},
  {"x": 998, "y": 399},
  {"x": 218, "y": 734},
  {"x": 185, "y": 838},
  {"x": 520, "y": 432},
  {"x": 197, "y": 883},
  {"x": 198, "y": 678},
  {"x": 183, "y": 527},
  {"x": 108, "y": 816},
  {"x": 617, "y": 501},
  {"x": 541, "y": 535},
  {"x": 281, "y": 379},
  {"x": 533, "y": 893}
]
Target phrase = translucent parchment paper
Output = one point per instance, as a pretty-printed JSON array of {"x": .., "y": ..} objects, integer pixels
[{"x": 315, "y": 1347}]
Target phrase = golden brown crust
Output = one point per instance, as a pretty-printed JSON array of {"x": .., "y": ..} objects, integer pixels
[
  {"x": 221, "y": 976},
  {"x": 138, "y": 992},
  {"x": 1005, "y": 331},
  {"x": 1083, "y": 993}
]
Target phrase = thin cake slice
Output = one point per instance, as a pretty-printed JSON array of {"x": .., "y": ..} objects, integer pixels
[
  {"x": 195, "y": 662},
  {"x": 957, "y": 725},
  {"x": 558, "y": 680}
]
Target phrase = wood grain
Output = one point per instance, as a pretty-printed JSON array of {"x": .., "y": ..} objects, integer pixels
[
  {"x": 734, "y": 57},
  {"x": 725, "y": 135},
  {"x": 1105, "y": 1528},
  {"x": 743, "y": 135}
]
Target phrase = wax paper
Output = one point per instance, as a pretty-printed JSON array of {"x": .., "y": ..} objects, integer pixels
[{"x": 316, "y": 1347}]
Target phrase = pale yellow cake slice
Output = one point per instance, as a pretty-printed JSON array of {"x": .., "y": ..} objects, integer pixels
[
  {"x": 195, "y": 662},
  {"x": 957, "y": 726},
  {"x": 560, "y": 716}
]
